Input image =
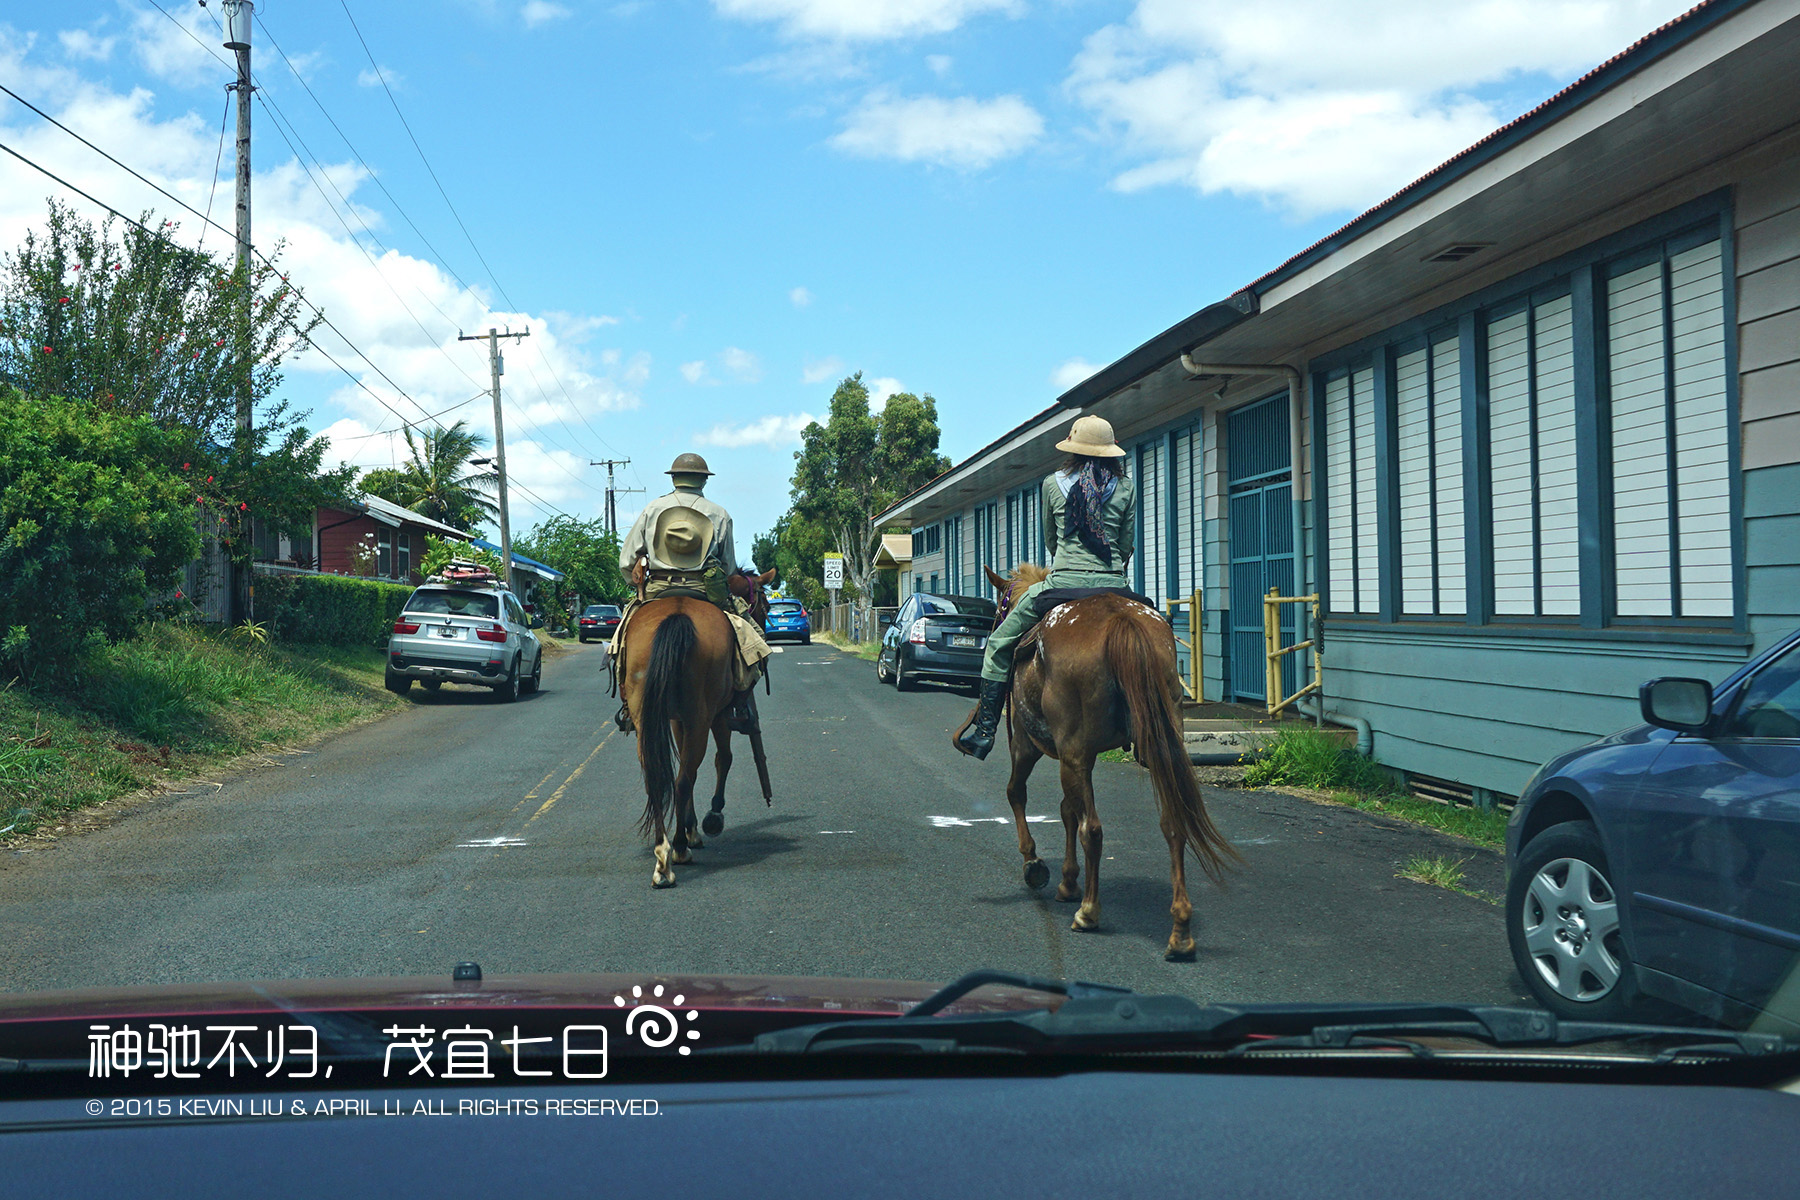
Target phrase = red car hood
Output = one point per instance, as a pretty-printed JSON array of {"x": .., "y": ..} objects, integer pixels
[{"x": 827, "y": 997}]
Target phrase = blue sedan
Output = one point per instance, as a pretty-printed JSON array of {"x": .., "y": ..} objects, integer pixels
[
  {"x": 788, "y": 619},
  {"x": 1664, "y": 861}
]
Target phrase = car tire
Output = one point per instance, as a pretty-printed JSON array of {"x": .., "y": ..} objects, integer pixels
[
  {"x": 902, "y": 681},
  {"x": 537, "y": 675},
  {"x": 396, "y": 682},
  {"x": 807, "y": 640},
  {"x": 1560, "y": 896},
  {"x": 507, "y": 690},
  {"x": 881, "y": 671}
]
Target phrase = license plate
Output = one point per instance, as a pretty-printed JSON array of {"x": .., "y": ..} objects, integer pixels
[
  {"x": 450, "y": 631},
  {"x": 964, "y": 640}
]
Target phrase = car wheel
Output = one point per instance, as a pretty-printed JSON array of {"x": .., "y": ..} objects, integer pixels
[
  {"x": 396, "y": 682},
  {"x": 537, "y": 675},
  {"x": 508, "y": 689},
  {"x": 881, "y": 671},
  {"x": 902, "y": 681},
  {"x": 1562, "y": 920}
]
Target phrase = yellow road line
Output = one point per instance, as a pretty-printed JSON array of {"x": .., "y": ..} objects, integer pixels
[
  {"x": 573, "y": 776},
  {"x": 533, "y": 793}
]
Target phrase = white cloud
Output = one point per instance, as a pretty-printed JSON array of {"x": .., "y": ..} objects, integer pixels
[
  {"x": 775, "y": 432},
  {"x": 1318, "y": 105},
  {"x": 800, "y": 297},
  {"x": 881, "y": 388},
  {"x": 821, "y": 370},
  {"x": 552, "y": 389},
  {"x": 1071, "y": 373},
  {"x": 743, "y": 365},
  {"x": 956, "y": 131},
  {"x": 541, "y": 12},
  {"x": 184, "y": 51},
  {"x": 80, "y": 43},
  {"x": 369, "y": 77},
  {"x": 694, "y": 371},
  {"x": 939, "y": 64},
  {"x": 863, "y": 20}
]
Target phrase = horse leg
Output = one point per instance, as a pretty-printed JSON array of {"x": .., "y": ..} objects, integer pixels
[
  {"x": 1078, "y": 795},
  {"x": 662, "y": 875},
  {"x": 1181, "y": 909},
  {"x": 1070, "y": 887},
  {"x": 714, "y": 823},
  {"x": 1024, "y": 758},
  {"x": 693, "y": 752}
]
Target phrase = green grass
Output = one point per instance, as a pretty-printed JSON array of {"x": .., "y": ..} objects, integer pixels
[
  {"x": 867, "y": 651},
  {"x": 1439, "y": 871},
  {"x": 1299, "y": 757},
  {"x": 1117, "y": 754},
  {"x": 173, "y": 701}
]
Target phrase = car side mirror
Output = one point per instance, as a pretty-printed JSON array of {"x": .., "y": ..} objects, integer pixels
[{"x": 1684, "y": 705}]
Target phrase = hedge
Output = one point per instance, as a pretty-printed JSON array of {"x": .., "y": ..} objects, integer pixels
[{"x": 329, "y": 608}]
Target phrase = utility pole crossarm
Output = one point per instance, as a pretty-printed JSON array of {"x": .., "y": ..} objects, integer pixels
[{"x": 612, "y": 512}]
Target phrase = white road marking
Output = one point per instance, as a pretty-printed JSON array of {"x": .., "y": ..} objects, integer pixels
[
  {"x": 487, "y": 843},
  {"x": 837, "y": 831},
  {"x": 965, "y": 822}
]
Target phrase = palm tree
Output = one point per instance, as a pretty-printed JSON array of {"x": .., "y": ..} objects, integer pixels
[{"x": 437, "y": 482}]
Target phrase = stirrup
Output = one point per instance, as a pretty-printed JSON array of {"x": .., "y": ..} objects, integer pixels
[
  {"x": 623, "y": 720},
  {"x": 743, "y": 712}
]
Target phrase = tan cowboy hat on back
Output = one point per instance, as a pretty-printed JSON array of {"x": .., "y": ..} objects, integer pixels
[
  {"x": 1091, "y": 436},
  {"x": 682, "y": 538}
]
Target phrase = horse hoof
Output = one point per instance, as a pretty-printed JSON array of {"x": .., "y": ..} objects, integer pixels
[
  {"x": 682, "y": 858},
  {"x": 1176, "y": 953},
  {"x": 659, "y": 884},
  {"x": 1036, "y": 874},
  {"x": 713, "y": 824},
  {"x": 1084, "y": 923},
  {"x": 1067, "y": 894}
]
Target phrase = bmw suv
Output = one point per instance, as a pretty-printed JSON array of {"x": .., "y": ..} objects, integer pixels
[{"x": 464, "y": 633}]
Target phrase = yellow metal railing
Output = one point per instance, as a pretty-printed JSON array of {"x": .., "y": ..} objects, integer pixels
[
  {"x": 1191, "y": 685},
  {"x": 1276, "y": 651}
]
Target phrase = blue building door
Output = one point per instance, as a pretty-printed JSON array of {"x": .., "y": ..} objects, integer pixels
[{"x": 1260, "y": 498}]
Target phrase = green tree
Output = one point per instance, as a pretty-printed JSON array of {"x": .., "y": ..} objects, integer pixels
[
  {"x": 858, "y": 463},
  {"x": 97, "y": 516},
  {"x": 585, "y": 553},
  {"x": 130, "y": 322},
  {"x": 437, "y": 481}
]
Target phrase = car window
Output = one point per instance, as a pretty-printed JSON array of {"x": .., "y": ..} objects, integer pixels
[
  {"x": 784, "y": 606},
  {"x": 457, "y": 604},
  {"x": 1768, "y": 705}
]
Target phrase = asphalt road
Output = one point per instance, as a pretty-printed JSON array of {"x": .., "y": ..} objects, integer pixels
[{"x": 464, "y": 829}]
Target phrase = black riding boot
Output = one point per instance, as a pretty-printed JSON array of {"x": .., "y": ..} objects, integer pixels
[
  {"x": 978, "y": 738},
  {"x": 743, "y": 712}
]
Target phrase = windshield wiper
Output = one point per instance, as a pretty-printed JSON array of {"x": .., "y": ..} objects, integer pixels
[{"x": 1099, "y": 1018}]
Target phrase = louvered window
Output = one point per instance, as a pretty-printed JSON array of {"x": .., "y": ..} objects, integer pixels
[
  {"x": 1665, "y": 325},
  {"x": 1428, "y": 455},
  {"x": 1187, "y": 512},
  {"x": 1531, "y": 460},
  {"x": 1150, "y": 559},
  {"x": 1350, "y": 490}
]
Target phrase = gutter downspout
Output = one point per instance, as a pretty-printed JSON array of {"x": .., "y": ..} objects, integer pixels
[
  {"x": 1365, "y": 736},
  {"x": 1296, "y": 465}
]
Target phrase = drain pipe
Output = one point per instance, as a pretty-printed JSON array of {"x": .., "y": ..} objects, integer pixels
[{"x": 1365, "y": 736}]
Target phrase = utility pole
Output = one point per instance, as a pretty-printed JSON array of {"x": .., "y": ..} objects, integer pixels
[
  {"x": 497, "y": 368},
  {"x": 612, "y": 508},
  {"x": 238, "y": 14}
]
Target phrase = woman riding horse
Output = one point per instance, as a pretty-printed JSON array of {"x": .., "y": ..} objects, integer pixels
[{"x": 1090, "y": 521}]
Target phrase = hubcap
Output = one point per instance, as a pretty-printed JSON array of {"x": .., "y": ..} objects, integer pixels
[{"x": 1571, "y": 926}]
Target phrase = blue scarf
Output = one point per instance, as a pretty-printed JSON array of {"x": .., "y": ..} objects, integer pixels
[{"x": 1088, "y": 493}]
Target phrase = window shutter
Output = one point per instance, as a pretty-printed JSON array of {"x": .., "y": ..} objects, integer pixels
[
  {"x": 1363, "y": 427},
  {"x": 1341, "y": 496},
  {"x": 1509, "y": 463},
  {"x": 1559, "y": 532},
  {"x": 1702, "y": 463},
  {"x": 1153, "y": 539},
  {"x": 1186, "y": 532},
  {"x": 1447, "y": 456},
  {"x": 1636, "y": 385},
  {"x": 1412, "y": 453}
]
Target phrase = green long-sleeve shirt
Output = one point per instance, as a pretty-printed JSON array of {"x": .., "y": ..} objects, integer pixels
[{"x": 1118, "y": 519}]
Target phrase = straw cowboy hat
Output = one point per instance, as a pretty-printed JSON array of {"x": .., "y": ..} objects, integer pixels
[
  {"x": 1091, "y": 436},
  {"x": 683, "y": 536}
]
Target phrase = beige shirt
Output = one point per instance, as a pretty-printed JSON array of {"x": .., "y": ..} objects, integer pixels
[{"x": 643, "y": 531}]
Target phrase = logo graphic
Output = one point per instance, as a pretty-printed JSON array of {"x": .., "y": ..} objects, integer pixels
[{"x": 655, "y": 1025}]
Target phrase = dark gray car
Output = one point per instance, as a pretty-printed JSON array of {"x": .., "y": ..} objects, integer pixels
[
  {"x": 935, "y": 637},
  {"x": 464, "y": 633}
]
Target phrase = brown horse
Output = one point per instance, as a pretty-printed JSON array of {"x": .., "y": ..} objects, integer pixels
[{"x": 1103, "y": 676}]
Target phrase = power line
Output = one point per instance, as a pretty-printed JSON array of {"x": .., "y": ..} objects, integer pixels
[
  {"x": 218, "y": 157},
  {"x": 481, "y": 395}
]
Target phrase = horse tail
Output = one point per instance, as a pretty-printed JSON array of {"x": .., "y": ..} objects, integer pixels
[
  {"x": 669, "y": 651},
  {"x": 1142, "y": 673}
]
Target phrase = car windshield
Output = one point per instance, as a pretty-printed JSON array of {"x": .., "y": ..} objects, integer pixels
[
  {"x": 791, "y": 502},
  {"x": 454, "y": 603}
]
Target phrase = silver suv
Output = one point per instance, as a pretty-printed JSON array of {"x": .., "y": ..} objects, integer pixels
[{"x": 464, "y": 633}]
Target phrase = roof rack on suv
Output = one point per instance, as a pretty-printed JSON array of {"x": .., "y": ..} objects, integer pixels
[{"x": 462, "y": 570}]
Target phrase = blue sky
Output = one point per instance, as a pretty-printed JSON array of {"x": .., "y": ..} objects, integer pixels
[{"x": 709, "y": 211}]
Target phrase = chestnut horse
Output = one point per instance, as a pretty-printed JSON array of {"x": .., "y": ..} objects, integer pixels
[
  {"x": 1104, "y": 676},
  {"x": 679, "y": 687}
]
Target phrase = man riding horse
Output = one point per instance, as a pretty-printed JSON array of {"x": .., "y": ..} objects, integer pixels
[
  {"x": 1090, "y": 519},
  {"x": 681, "y": 544}
]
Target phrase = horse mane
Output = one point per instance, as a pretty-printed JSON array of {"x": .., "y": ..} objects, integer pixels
[{"x": 1028, "y": 573}]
